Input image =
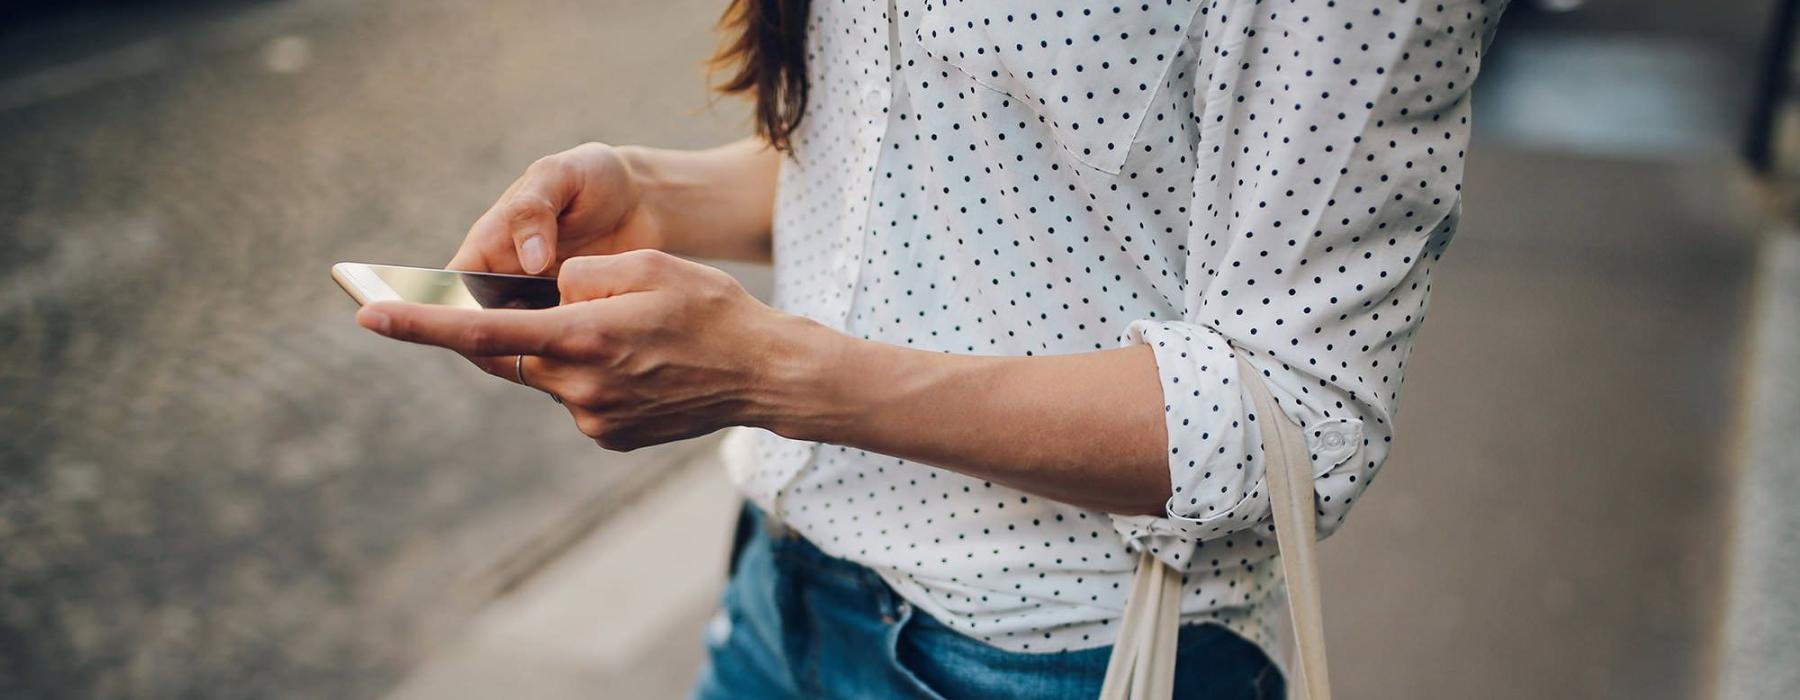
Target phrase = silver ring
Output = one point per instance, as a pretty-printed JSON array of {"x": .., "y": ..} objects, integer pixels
[{"x": 519, "y": 373}]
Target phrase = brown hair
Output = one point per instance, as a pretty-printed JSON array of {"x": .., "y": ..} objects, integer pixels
[{"x": 765, "y": 55}]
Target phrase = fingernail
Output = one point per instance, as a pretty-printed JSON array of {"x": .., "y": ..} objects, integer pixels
[{"x": 531, "y": 254}]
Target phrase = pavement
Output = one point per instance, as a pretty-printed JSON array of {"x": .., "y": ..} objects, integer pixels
[
  {"x": 619, "y": 615},
  {"x": 1759, "y": 640},
  {"x": 212, "y": 484},
  {"x": 1549, "y": 523}
]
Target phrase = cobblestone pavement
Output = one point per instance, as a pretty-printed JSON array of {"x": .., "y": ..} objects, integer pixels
[{"x": 212, "y": 484}]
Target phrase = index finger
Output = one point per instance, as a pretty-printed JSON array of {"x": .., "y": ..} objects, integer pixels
[
  {"x": 488, "y": 248},
  {"x": 472, "y": 332},
  {"x": 488, "y": 245}
]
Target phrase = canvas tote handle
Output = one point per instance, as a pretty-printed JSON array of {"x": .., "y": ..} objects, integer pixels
[{"x": 1142, "y": 666}]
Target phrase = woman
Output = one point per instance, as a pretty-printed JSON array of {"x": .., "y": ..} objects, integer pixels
[{"x": 1016, "y": 247}]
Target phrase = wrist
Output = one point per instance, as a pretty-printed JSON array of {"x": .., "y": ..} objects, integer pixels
[
  {"x": 717, "y": 203},
  {"x": 647, "y": 170},
  {"x": 823, "y": 385}
]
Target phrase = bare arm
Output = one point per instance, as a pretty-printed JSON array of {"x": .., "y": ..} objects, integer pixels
[
  {"x": 649, "y": 348},
  {"x": 717, "y": 203},
  {"x": 1085, "y": 429}
]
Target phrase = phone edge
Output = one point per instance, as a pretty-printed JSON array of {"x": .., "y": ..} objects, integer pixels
[
  {"x": 442, "y": 269},
  {"x": 348, "y": 278}
]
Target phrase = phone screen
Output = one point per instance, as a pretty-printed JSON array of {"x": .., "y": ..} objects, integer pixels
[{"x": 469, "y": 289}]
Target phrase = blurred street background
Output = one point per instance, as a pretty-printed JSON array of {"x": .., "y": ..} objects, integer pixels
[{"x": 213, "y": 484}]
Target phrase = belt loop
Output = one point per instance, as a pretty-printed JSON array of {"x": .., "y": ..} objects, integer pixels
[
  {"x": 741, "y": 535},
  {"x": 887, "y": 601},
  {"x": 777, "y": 530},
  {"x": 884, "y": 600}
]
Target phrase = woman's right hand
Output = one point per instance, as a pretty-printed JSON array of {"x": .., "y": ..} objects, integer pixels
[{"x": 583, "y": 201}]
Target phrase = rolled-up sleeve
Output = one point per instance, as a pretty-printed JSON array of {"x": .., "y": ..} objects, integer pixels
[{"x": 1330, "y": 172}]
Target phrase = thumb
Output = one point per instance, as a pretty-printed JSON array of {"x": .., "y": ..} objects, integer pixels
[{"x": 531, "y": 212}]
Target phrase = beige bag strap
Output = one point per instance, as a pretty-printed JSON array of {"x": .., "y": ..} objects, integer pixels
[
  {"x": 1142, "y": 666},
  {"x": 1288, "y": 466}
]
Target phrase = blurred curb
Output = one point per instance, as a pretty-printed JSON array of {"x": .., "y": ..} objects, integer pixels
[
  {"x": 509, "y": 571},
  {"x": 1758, "y": 642},
  {"x": 616, "y": 612}
]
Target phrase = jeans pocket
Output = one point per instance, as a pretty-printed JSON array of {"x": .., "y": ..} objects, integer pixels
[
  {"x": 905, "y": 618},
  {"x": 939, "y": 662},
  {"x": 944, "y": 663}
]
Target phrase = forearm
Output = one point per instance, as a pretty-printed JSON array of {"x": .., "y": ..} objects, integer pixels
[
  {"x": 1085, "y": 429},
  {"x": 717, "y": 203}
]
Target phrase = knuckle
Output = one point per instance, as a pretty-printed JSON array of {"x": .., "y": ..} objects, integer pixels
[
  {"x": 716, "y": 287},
  {"x": 579, "y": 265},
  {"x": 579, "y": 341},
  {"x": 526, "y": 206},
  {"x": 478, "y": 339},
  {"x": 718, "y": 282},
  {"x": 717, "y": 278},
  {"x": 618, "y": 440},
  {"x": 592, "y": 426},
  {"x": 546, "y": 163},
  {"x": 589, "y": 149},
  {"x": 575, "y": 347},
  {"x": 649, "y": 259},
  {"x": 584, "y": 393}
]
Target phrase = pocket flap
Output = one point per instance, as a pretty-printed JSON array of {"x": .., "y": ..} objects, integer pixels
[{"x": 1088, "y": 71}]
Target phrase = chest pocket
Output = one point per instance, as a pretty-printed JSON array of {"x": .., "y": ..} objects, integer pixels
[{"x": 1088, "y": 70}]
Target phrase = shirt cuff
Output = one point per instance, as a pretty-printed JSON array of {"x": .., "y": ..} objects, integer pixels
[
  {"x": 1216, "y": 472},
  {"x": 1215, "y": 459}
]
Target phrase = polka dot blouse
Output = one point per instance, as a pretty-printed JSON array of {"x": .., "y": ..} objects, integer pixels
[{"x": 1206, "y": 177}]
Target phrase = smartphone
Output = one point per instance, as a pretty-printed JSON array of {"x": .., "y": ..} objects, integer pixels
[{"x": 367, "y": 283}]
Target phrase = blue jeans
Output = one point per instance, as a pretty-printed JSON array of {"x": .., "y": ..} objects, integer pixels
[{"x": 798, "y": 623}]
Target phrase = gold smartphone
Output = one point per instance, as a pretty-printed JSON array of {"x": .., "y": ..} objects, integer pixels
[{"x": 368, "y": 283}]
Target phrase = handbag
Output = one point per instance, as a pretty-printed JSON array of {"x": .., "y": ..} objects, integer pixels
[{"x": 1142, "y": 666}]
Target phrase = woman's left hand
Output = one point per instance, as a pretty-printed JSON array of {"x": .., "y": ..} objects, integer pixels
[{"x": 646, "y": 348}]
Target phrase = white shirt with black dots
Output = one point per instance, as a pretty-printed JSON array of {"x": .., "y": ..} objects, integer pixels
[{"x": 1006, "y": 177}]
